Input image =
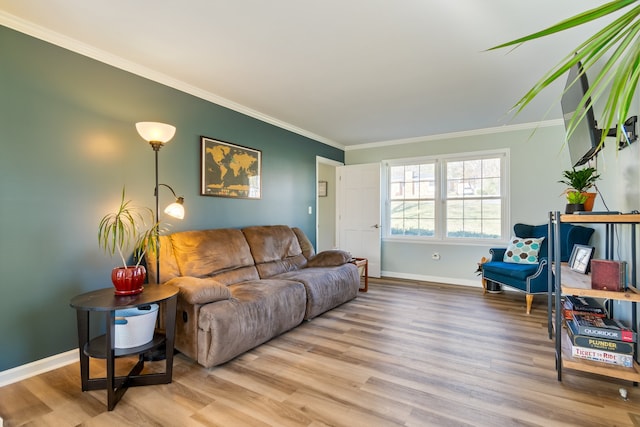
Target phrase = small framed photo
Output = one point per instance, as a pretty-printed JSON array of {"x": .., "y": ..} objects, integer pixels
[
  {"x": 580, "y": 259},
  {"x": 322, "y": 188}
]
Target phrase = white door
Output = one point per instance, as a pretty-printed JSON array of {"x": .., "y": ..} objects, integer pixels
[{"x": 359, "y": 213}]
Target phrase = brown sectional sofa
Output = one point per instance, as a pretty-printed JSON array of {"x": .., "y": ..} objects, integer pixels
[{"x": 238, "y": 288}]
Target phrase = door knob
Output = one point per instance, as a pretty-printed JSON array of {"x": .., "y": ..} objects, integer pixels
[{"x": 376, "y": 226}]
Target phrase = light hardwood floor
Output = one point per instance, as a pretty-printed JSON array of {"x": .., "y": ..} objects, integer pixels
[{"x": 404, "y": 354}]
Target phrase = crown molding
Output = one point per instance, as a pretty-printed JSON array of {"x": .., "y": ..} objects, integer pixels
[
  {"x": 84, "y": 49},
  {"x": 476, "y": 132}
]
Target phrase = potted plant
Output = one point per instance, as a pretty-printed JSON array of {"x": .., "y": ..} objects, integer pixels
[
  {"x": 128, "y": 228},
  {"x": 581, "y": 180},
  {"x": 575, "y": 202}
]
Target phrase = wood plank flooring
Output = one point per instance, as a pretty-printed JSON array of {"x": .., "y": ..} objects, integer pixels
[{"x": 404, "y": 354}]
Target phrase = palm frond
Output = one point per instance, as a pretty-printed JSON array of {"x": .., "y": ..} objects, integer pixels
[{"x": 620, "y": 72}]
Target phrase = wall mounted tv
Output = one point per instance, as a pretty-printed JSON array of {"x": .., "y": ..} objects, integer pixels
[{"x": 583, "y": 142}]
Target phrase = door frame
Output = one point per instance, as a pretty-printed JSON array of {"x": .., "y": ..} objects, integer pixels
[{"x": 334, "y": 164}]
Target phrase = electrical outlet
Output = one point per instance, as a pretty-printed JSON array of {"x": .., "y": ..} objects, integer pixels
[{"x": 435, "y": 256}]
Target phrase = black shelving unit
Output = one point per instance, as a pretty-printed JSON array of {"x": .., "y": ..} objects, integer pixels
[{"x": 569, "y": 282}]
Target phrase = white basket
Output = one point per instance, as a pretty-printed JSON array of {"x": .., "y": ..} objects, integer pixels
[{"x": 135, "y": 326}]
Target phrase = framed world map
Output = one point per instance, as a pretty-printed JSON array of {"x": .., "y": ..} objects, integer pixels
[{"x": 230, "y": 170}]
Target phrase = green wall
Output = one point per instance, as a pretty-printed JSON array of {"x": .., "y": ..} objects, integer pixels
[{"x": 69, "y": 145}]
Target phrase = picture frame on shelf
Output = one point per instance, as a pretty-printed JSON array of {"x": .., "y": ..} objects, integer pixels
[{"x": 580, "y": 259}]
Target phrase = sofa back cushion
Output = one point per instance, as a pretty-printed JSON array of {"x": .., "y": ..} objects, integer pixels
[
  {"x": 275, "y": 249},
  {"x": 220, "y": 253}
]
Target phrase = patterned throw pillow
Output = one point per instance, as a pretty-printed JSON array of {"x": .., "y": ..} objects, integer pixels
[{"x": 523, "y": 250}]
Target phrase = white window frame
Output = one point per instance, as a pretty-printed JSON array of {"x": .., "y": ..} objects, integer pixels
[{"x": 441, "y": 200}]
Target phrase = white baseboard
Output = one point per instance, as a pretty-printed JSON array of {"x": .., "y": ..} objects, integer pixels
[
  {"x": 436, "y": 279},
  {"x": 23, "y": 372}
]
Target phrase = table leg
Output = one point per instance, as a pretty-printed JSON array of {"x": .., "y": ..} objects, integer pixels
[
  {"x": 110, "y": 352},
  {"x": 170, "y": 333},
  {"x": 83, "y": 337}
]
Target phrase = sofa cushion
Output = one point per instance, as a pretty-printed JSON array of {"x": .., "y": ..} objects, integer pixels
[
  {"x": 258, "y": 311},
  {"x": 305, "y": 244},
  {"x": 329, "y": 258},
  {"x": 200, "y": 291},
  {"x": 327, "y": 287},
  {"x": 523, "y": 250},
  {"x": 275, "y": 249},
  {"x": 211, "y": 252}
]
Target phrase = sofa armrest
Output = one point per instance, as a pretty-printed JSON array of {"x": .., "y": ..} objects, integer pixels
[
  {"x": 200, "y": 291},
  {"x": 497, "y": 254},
  {"x": 329, "y": 258}
]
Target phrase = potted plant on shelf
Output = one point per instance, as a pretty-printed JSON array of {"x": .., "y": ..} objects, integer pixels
[
  {"x": 575, "y": 202},
  {"x": 581, "y": 181},
  {"x": 128, "y": 228}
]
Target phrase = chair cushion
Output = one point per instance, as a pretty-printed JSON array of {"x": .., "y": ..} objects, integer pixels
[
  {"x": 523, "y": 250},
  {"x": 511, "y": 270}
]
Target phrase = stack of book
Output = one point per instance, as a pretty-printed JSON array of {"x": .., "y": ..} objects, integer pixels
[{"x": 593, "y": 336}]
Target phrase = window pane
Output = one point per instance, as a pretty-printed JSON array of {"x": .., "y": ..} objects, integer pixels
[
  {"x": 472, "y": 169},
  {"x": 455, "y": 170},
  {"x": 427, "y": 172},
  {"x": 397, "y": 227},
  {"x": 491, "y": 187},
  {"x": 411, "y": 209},
  {"x": 491, "y": 209},
  {"x": 397, "y": 174},
  {"x": 491, "y": 228},
  {"x": 397, "y": 209},
  {"x": 427, "y": 189},
  {"x": 454, "y": 209}
]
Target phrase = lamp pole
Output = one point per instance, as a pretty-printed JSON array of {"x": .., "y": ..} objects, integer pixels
[{"x": 156, "y": 148}]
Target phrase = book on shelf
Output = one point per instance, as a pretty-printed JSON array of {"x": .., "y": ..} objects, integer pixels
[
  {"x": 586, "y": 341},
  {"x": 584, "y": 304},
  {"x": 608, "y": 275},
  {"x": 602, "y": 356},
  {"x": 601, "y": 327},
  {"x": 569, "y": 313}
]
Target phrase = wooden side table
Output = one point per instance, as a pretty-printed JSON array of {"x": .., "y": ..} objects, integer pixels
[
  {"x": 103, "y": 346},
  {"x": 362, "y": 263}
]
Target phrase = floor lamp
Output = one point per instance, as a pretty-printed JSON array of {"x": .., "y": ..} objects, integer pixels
[{"x": 158, "y": 134}]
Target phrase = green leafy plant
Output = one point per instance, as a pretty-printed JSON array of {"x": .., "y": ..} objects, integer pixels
[
  {"x": 129, "y": 227},
  {"x": 621, "y": 69},
  {"x": 580, "y": 180},
  {"x": 576, "y": 198}
]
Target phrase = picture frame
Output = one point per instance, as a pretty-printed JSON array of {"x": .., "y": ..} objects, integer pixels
[
  {"x": 580, "y": 259},
  {"x": 229, "y": 170},
  {"x": 322, "y": 188}
]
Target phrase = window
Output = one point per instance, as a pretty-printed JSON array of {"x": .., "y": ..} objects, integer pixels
[{"x": 448, "y": 197}]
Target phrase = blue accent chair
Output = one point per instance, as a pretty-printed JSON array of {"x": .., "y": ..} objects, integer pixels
[{"x": 532, "y": 278}]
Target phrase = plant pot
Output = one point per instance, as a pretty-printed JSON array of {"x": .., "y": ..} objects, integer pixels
[
  {"x": 571, "y": 208},
  {"x": 128, "y": 280},
  {"x": 591, "y": 198}
]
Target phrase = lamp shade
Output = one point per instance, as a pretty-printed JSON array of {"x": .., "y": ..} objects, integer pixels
[
  {"x": 155, "y": 132},
  {"x": 176, "y": 209}
]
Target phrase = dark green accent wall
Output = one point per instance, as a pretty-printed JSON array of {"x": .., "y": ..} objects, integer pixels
[{"x": 68, "y": 146}]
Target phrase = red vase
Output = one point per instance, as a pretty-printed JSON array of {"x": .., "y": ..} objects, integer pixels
[{"x": 128, "y": 280}]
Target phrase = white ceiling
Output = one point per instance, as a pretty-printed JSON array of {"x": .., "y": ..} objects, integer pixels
[{"x": 345, "y": 72}]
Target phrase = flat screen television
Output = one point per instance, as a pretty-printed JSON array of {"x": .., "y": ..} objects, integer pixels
[{"x": 583, "y": 142}]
